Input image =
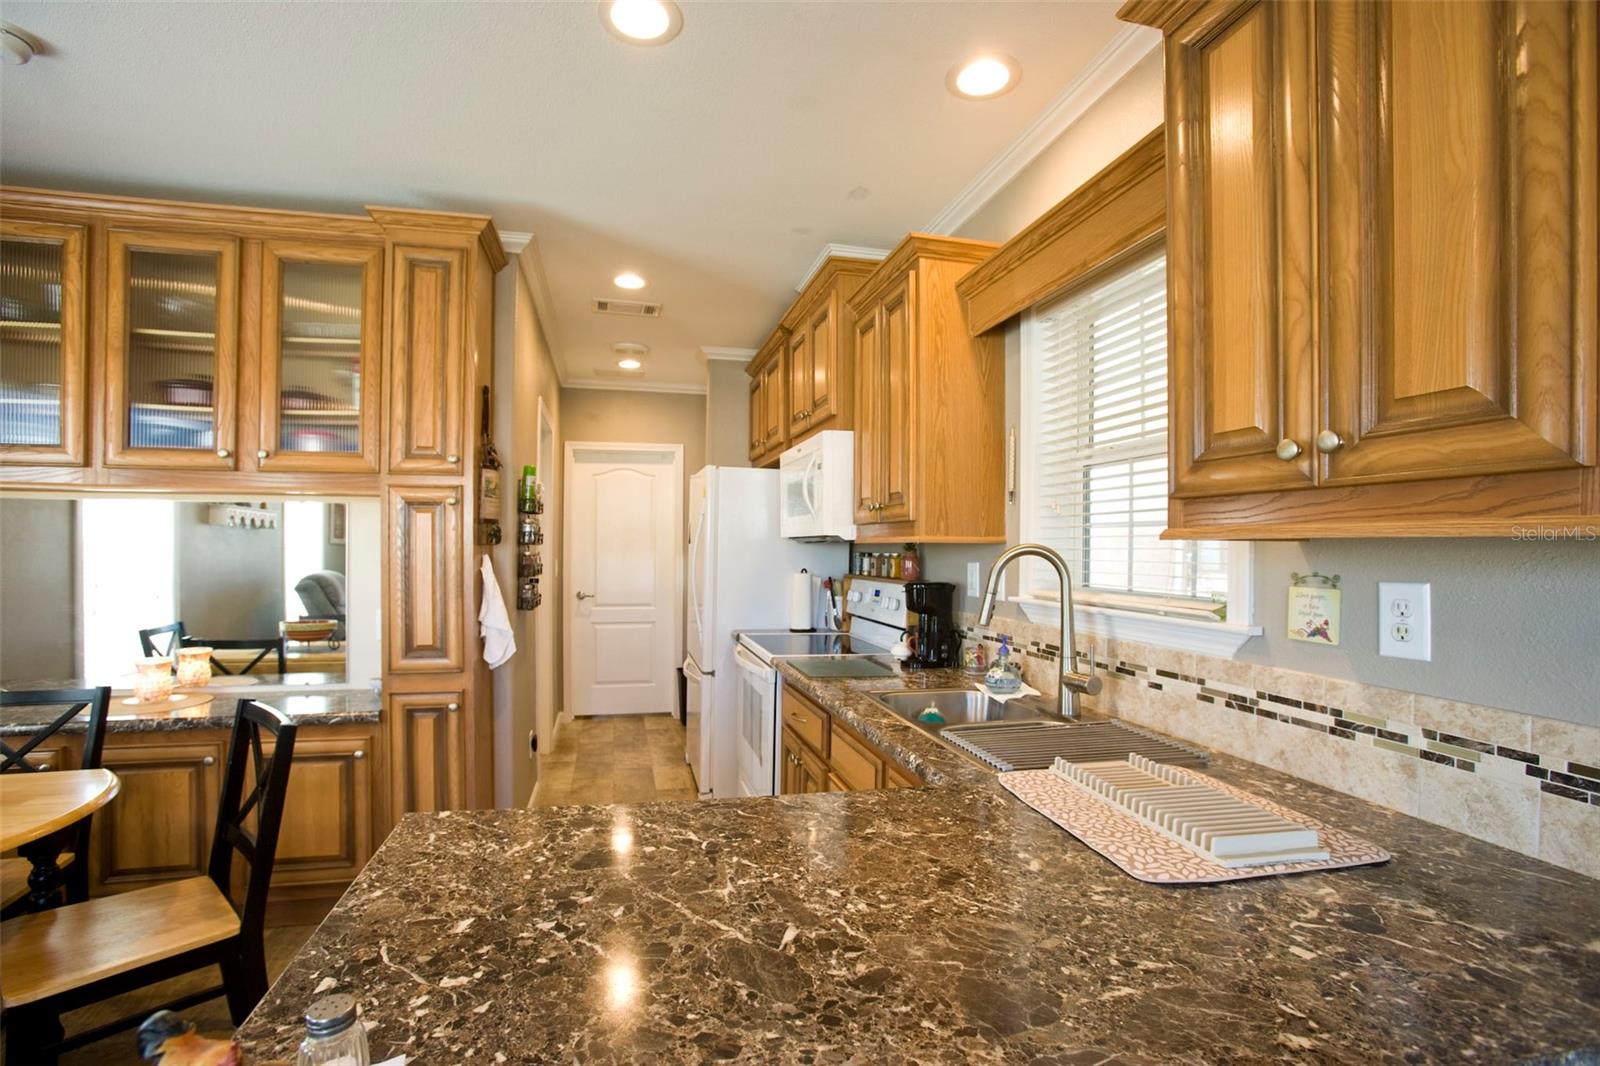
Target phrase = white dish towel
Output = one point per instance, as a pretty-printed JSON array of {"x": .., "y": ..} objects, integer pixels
[{"x": 494, "y": 626}]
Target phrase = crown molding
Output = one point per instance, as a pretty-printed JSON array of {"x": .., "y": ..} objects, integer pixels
[
  {"x": 1130, "y": 45},
  {"x": 729, "y": 355},
  {"x": 843, "y": 251},
  {"x": 544, "y": 304},
  {"x": 636, "y": 386},
  {"x": 514, "y": 241}
]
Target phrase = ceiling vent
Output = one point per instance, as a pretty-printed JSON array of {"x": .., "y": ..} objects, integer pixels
[{"x": 635, "y": 308}]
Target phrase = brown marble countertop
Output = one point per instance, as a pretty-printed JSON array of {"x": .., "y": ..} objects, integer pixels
[
  {"x": 949, "y": 924},
  {"x": 309, "y": 698}
]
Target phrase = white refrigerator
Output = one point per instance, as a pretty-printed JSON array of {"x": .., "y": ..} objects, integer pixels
[{"x": 739, "y": 577}]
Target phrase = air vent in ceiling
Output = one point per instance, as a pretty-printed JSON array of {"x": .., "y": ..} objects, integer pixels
[{"x": 636, "y": 308}]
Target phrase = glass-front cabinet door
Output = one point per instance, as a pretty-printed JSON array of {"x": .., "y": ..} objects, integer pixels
[
  {"x": 320, "y": 344},
  {"x": 42, "y": 343},
  {"x": 172, "y": 317}
]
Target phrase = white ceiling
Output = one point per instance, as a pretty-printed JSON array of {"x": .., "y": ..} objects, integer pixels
[{"x": 717, "y": 165}]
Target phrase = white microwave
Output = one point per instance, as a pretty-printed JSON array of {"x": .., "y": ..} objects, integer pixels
[{"x": 817, "y": 487}]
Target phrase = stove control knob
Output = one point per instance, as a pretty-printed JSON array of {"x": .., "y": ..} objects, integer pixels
[
  {"x": 855, "y": 597},
  {"x": 894, "y": 603}
]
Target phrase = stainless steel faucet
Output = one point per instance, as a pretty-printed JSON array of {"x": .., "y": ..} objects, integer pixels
[{"x": 1073, "y": 682}]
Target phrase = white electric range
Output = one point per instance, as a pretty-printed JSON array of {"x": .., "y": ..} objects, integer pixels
[{"x": 877, "y": 619}]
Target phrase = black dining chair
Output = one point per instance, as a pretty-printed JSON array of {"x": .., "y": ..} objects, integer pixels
[
  {"x": 267, "y": 646},
  {"x": 67, "y": 958},
  {"x": 152, "y": 644},
  {"x": 67, "y": 705}
]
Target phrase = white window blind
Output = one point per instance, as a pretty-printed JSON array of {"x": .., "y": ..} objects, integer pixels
[{"x": 1095, "y": 446}]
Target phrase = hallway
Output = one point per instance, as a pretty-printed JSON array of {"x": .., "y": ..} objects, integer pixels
[{"x": 636, "y": 758}]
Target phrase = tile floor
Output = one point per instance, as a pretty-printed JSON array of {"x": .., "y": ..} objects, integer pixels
[{"x": 636, "y": 758}]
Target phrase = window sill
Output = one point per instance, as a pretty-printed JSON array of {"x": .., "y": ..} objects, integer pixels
[{"x": 1219, "y": 639}]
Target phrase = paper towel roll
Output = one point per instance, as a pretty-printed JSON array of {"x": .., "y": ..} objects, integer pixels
[{"x": 800, "y": 601}]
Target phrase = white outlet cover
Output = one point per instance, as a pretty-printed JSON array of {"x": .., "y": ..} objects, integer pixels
[
  {"x": 1405, "y": 620},
  {"x": 974, "y": 589}
]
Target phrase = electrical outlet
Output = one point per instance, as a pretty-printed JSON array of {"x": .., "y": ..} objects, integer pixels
[
  {"x": 973, "y": 588},
  {"x": 1405, "y": 620}
]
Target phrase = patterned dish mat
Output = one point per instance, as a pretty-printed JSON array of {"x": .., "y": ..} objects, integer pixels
[{"x": 1143, "y": 853}]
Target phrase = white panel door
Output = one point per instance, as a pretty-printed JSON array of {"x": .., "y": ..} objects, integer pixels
[{"x": 623, "y": 578}]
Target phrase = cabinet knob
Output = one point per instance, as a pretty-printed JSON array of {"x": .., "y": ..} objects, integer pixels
[
  {"x": 209, "y": 760},
  {"x": 262, "y": 453},
  {"x": 452, "y": 458},
  {"x": 450, "y": 501},
  {"x": 1287, "y": 450},
  {"x": 223, "y": 453},
  {"x": 1328, "y": 442},
  {"x": 358, "y": 754},
  {"x": 452, "y": 706}
]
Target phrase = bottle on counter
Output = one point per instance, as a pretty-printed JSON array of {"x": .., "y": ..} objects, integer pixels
[
  {"x": 910, "y": 563},
  {"x": 1004, "y": 674},
  {"x": 334, "y": 1035}
]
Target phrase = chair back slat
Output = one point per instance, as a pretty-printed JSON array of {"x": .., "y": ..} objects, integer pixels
[
  {"x": 264, "y": 646},
  {"x": 173, "y": 631},
  {"x": 270, "y": 782}
]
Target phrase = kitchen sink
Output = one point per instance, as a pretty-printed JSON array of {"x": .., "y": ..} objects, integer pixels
[
  {"x": 1026, "y": 733},
  {"x": 961, "y": 706}
]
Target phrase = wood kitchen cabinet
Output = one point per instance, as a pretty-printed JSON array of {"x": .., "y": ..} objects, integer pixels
[
  {"x": 769, "y": 430},
  {"x": 320, "y": 356},
  {"x": 159, "y": 828},
  {"x": 821, "y": 349},
  {"x": 930, "y": 402},
  {"x": 819, "y": 754},
  {"x": 427, "y": 375},
  {"x": 1383, "y": 295},
  {"x": 427, "y": 749},
  {"x": 43, "y": 342},
  {"x": 424, "y": 586},
  {"x": 171, "y": 349},
  {"x": 328, "y": 814}
]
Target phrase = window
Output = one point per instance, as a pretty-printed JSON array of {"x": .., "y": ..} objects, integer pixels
[{"x": 1094, "y": 462}]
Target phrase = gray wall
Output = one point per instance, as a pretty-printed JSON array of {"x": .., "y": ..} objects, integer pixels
[
  {"x": 38, "y": 589},
  {"x": 230, "y": 580},
  {"x": 727, "y": 413}
]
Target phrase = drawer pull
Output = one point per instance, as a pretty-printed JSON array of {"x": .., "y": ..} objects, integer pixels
[{"x": 1287, "y": 450}]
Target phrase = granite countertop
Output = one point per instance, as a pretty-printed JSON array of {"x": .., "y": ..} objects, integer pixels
[
  {"x": 944, "y": 924},
  {"x": 309, "y": 698}
]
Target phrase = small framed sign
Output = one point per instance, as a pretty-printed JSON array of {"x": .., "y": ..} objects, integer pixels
[{"x": 1314, "y": 608}]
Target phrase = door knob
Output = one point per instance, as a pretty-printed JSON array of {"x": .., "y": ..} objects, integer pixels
[
  {"x": 1287, "y": 450},
  {"x": 585, "y": 595},
  {"x": 1328, "y": 442}
]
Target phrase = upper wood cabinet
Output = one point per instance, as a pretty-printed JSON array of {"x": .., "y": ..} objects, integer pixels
[
  {"x": 1240, "y": 255},
  {"x": 1382, "y": 267},
  {"x": 427, "y": 369},
  {"x": 321, "y": 356},
  {"x": 423, "y": 589},
  {"x": 822, "y": 350},
  {"x": 43, "y": 342},
  {"x": 769, "y": 426},
  {"x": 930, "y": 399},
  {"x": 1459, "y": 144},
  {"x": 172, "y": 333}
]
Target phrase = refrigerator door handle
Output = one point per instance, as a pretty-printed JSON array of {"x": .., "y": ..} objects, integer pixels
[{"x": 697, "y": 546}]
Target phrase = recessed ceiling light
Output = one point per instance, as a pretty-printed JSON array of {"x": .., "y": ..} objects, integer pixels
[
  {"x": 628, "y": 280},
  {"x": 631, "y": 353},
  {"x": 629, "y": 364},
  {"x": 642, "y": 21},
  {"x": 984, "y": 77}
]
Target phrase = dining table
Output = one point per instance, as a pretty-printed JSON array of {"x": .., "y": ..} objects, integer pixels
[{"x": 36, "y": 811}]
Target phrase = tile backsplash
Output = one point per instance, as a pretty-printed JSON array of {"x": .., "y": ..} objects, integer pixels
[{"x": 1526, "y": 783}]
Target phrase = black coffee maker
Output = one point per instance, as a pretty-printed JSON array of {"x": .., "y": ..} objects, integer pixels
[{"x": 933, "y": 602}]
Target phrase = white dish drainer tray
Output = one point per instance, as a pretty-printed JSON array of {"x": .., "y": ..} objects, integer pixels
[{"x": 1160, "y": 823}]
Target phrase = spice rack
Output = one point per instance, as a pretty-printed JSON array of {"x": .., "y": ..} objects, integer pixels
[{"x": 530, "y": 538}]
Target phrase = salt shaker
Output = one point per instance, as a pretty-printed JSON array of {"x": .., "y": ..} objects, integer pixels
[{"x": 333, "y": 1035}]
